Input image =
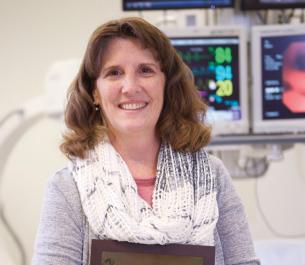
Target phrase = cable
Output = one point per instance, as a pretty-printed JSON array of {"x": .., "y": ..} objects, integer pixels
[
  {"x": 9, "y": 115},
  {"x": 283, "y": 18},
  {"x": 262, "y": 18},
  {"x": 13, "y": 235},
  {"x": 256, "y": 167},
  {"x": 3, "y": 219},
  {"x": 268, "y": 224}
]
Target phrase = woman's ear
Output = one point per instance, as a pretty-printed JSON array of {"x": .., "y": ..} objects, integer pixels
[{"x": 96, "y": 97}]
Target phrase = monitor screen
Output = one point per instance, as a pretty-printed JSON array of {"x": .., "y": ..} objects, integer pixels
[
  {"x": 271, "y": 4},
  {"x": 129, "y": 5},
  {"x": 278, "y": 54},
  {"x": 217, "y": 60}
]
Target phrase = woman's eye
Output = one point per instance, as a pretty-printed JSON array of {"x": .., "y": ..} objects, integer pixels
[
  {"x": 114, "y": 73},
  {"x": 146, "y": 70}
]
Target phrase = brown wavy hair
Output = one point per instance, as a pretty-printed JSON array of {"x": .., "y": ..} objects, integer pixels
[{"x": 179, "y": 123}]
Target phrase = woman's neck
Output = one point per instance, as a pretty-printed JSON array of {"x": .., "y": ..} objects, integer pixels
[{"x": 139, "y": 153}]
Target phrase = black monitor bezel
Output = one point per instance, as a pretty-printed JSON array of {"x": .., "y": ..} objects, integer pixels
[
  {"x": 177, "y": 8},
  {"x": 256, "y": 5}
]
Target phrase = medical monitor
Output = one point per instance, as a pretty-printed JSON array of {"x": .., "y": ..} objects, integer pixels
[
  {"x": 271, "y": 4},
  {"x": 130, "y": 5},
  {"x": 278, "y": 73},
  {"x": 217, "y": 58}
]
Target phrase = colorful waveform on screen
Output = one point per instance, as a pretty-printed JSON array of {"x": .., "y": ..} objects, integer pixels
[{"x": 214, "y": 64}]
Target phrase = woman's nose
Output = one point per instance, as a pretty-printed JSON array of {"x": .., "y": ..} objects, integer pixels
[{"x": 130, "y": 84}]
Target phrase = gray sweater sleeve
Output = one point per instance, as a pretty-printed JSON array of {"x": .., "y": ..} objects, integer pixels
[
  {"x": 232, "y": 227},
  {"x": 60, "y": 233}
]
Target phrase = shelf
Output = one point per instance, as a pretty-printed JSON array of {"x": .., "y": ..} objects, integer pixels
[{"x": 258, "y": 139}]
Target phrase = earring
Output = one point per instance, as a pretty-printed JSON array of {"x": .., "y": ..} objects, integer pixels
[{"x": 97, "y": 107}]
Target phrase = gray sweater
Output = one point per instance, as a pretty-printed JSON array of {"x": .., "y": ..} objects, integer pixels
[{"x": 64, "y": 236}]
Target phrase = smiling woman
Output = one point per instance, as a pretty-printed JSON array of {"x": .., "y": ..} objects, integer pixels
[
  {"x": 130, "y": 90},
  {"x": 103, "y": 65},
  {"x": 139, "y": 171}
]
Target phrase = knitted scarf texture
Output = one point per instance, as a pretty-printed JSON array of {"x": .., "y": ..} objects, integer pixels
[{"x": 184, "y": 207}]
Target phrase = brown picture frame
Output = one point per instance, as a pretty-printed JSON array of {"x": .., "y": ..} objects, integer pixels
[{"x": 110, "y": 252}]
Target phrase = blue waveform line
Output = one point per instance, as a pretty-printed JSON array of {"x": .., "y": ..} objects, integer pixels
[{"x": 202, "y": 71}]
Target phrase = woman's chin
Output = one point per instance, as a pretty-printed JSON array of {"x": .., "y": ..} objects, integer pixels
[{"x": 135, "y": 129}]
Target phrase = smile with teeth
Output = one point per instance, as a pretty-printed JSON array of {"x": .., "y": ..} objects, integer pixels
[{"x": 132, "y": 106}]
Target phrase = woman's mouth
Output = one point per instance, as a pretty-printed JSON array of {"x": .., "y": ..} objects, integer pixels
[{"x": 132, "y": 106}]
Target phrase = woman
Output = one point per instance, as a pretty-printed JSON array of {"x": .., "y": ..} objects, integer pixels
[{"x": 139, "y": 171}]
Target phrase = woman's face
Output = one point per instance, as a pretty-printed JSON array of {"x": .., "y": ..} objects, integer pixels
[{"x": 130, "y": 88}]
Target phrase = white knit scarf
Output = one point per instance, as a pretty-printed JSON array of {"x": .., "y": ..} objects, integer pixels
[{"x": 184, "y": 207}]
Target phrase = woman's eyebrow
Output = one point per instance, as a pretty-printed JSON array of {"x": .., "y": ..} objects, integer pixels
[
  {"x": 110, "y": 67},
  {"x": 152, "y": 64}
]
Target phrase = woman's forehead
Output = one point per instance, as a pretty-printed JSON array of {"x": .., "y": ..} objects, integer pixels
[{"x": 119, "y": 47}]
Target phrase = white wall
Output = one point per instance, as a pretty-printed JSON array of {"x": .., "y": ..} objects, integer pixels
[
  {"x": 280, "y": 194},
  {"x": 35, "y": 33}
]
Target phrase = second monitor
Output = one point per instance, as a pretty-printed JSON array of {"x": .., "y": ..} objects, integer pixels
[{"x": 278, "y": 71}]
